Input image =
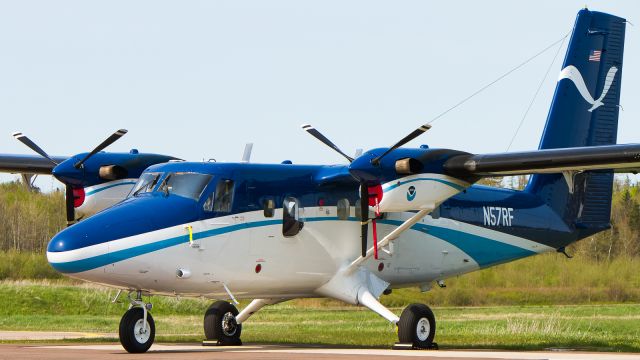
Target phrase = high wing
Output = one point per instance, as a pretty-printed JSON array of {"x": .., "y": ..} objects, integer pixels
[
  {"x": 621, "y": 158},
  {"x": 28, "y": 164}
]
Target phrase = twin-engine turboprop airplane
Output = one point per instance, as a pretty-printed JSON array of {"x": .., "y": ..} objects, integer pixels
[
  {"x": 94, "y": 180},
  {"x": 394, "y": 217}
]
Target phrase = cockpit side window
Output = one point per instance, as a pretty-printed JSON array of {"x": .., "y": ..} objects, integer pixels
[
  {"x": 224, "y": 196},
  {"x": 146, "y": 183},
  {"x": 208, "y": 204},
  {"x": 185, "y": 184}
]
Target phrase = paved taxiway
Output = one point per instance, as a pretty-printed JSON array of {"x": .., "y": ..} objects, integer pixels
[{"x": 267, "y": 352}]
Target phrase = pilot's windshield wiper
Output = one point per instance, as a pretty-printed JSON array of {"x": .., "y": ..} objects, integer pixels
[{"x": 143, "y": 187}]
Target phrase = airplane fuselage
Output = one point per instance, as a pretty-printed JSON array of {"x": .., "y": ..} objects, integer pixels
[{"x": 147, "y": 240}]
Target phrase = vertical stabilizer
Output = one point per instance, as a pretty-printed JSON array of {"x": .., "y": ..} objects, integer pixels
[{"x": 584, "y": 112}]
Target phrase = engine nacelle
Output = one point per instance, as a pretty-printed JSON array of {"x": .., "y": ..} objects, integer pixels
[{"x": 419, "y": 192}]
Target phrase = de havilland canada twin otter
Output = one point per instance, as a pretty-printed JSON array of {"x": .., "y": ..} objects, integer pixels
[{"x": 394, "y": 217}]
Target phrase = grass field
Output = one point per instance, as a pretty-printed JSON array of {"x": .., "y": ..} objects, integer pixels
[{"x": 59, "y": 306}]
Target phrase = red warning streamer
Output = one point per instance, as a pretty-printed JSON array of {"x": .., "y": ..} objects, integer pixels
[{"x": 375, "y": 196}]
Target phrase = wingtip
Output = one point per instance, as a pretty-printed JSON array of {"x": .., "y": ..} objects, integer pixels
[
  {"x": 306, "y": 126},
  {"x": 17, "y": 134}
]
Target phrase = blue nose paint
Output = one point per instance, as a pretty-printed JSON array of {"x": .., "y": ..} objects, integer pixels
[{"x": 411, "y": 193}]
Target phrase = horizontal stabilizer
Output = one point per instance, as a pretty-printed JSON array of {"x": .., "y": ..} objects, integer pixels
[{"x": 622, "y": 158}]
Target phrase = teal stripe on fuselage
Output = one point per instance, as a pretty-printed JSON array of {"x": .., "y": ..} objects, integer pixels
[
  {"x": 483, "y": 250},
  {"x": 448, "y": 183},
  {"x": 109, "y": 187}
]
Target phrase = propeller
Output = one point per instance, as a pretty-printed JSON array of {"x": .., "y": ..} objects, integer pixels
[
  {"x": 417, "y": 132},
  {"x": 323, "y": 139},
  {"x": 69, "y": 200},
  {"x": 364, "y": 188},
  {"x": 110, "y": 140},
  {"x": 364, "y": 217},
  {"x": 31, "y": 145},
  {"x": 69, "y": 190}
]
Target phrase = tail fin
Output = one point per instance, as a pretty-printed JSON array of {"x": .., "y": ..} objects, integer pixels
[{"x": 584, "y": 112}]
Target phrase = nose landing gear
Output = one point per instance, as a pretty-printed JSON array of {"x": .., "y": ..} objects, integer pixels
[{"x": 137, "y": 329}]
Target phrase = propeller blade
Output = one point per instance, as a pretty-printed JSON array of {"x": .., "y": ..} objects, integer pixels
[
  {"x": 25, "y": 140},
  {"x": 71, "y": 211},
  {"x": 316, "y": 134},
  {"x": 110, "y": 140},
  {"x": 364, "y": 216},
  {"x": 417, "y": 132}
]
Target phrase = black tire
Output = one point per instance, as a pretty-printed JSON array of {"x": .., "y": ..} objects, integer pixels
[
  {"x": 417, "y": 326},
  {"x": 130, "y": 327},
  {"x": 220, "y": 324}
]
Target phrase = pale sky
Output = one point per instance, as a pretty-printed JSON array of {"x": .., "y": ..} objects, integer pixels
[{"x": 199, "y": 79}]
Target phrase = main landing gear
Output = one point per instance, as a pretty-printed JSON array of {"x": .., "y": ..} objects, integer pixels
[
  {"x": 223, "y": 323},
  {"x": 137, "y": 328},
  {"x": 220, "y": 324},
  {"x": 417, "y": 326}
]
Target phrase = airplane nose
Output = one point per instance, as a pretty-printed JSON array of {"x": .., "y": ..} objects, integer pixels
[
  {"x": 66, "y": 254},
  {"x": 85, "y": 245}
]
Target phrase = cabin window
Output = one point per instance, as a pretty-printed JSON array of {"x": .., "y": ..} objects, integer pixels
[
  {"x": 291, "y": 224},
  {"x": 269, "y": 207},
  {"x": 343, "y": 209},
  {"x": 224, "y": 196},
  {"x": 185, "y": 184},
  {"x": 146, "y": 183}
]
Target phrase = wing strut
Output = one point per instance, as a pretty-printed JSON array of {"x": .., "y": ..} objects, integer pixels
[{"x": 387, "y": 239}]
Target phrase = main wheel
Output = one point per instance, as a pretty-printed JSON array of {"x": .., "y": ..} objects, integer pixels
[
  {"x": 417, "y": 326},
  {"x": 220, "y": 324},
  {"x": 134, "y": 336}
]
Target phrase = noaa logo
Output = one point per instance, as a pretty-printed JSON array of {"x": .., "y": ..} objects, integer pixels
[
  {"x": 411, "y": 193},
  {"x": 573, "y": 74}
]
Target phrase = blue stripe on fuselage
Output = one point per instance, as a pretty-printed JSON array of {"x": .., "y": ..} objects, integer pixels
[{"x": 483, "y": 250}]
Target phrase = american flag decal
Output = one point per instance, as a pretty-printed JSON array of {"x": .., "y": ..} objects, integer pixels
[{"x": 594, "y": 55}]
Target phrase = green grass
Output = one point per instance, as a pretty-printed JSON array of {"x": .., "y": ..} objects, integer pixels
[{"x": 59, "y": 306}]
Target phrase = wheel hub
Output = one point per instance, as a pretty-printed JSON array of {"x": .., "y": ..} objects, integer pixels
[
  {"x": 423, "y": 329},
  {"x": 141, "y": 331},
  {"x": 229, "y": 324}
]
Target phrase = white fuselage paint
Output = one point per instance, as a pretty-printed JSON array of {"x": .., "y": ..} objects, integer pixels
[
  {"x": 420, "y": 191},
  {"x": 102, "y": 196},
  {"x": 290, "y": 267}
]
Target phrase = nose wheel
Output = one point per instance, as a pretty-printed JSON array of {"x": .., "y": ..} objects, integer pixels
[
  {"x": 417, "y": 326},
  {"x": 136, "y": 333},
  {"x": 220, "y": 324}
]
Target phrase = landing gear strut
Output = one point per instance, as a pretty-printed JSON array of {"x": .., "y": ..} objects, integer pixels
[
  {"x": 220, "y": 324},
  {"x": 417, "y": 326},
  {"x": 137, "y": 328}
]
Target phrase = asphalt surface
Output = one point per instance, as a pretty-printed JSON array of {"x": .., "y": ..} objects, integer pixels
[{"x": 251, "y": 352}]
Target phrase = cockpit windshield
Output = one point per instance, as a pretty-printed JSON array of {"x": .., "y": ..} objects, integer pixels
[
  {"x": 146, "y": 183},
  {"x": 185, "y": 184}
]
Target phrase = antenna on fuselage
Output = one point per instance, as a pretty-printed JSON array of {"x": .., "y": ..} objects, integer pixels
[{"x": 246, "y": 156}]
